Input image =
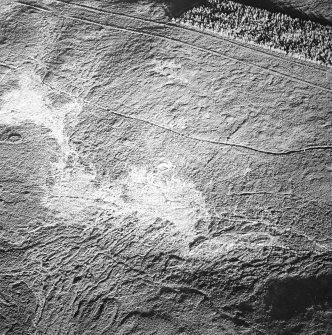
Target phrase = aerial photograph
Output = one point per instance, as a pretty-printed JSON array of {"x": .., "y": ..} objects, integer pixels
[{"x": 165, "y": 167}]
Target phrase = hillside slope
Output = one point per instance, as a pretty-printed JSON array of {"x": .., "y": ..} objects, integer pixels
[{"x": 158, "y": 180}]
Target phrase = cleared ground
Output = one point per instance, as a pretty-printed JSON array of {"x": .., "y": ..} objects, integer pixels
[{"x": 158, "y": 180}]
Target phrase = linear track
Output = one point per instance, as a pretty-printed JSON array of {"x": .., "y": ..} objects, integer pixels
[
  {"x": 228, "y": 144},
  {"x": 190, "y": 45},
  {"x": 219, "y": 37},
  {"x": 198, "y": 139}
]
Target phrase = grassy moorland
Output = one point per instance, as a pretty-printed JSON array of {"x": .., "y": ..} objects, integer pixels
[{"x": 156, "y": 179}]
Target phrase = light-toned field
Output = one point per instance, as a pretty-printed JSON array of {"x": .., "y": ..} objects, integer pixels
[{"x": 158, "y": 180}]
